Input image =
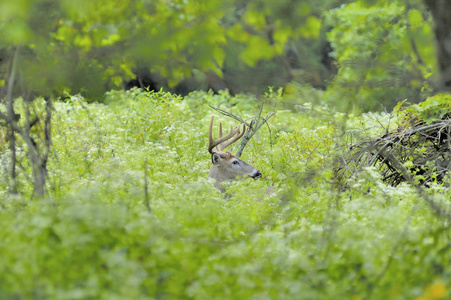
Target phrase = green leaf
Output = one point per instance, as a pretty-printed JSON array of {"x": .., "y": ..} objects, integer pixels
[
  {"x": 110, "y": 40},
  {"x": 16, "y": 33},
  {"x": 255, "y": 19},
  {"x": 83, "y": 41},
  {"x": 237, "y": 33},
  {"x": 311, "y": 28},
  {"x": 257, "y": 48},
  {"x": 282, "y": 35},
  {"x": 415, "y": 18}
]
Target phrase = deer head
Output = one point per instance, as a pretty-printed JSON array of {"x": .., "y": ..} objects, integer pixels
[{"x": 227, "y": 166}]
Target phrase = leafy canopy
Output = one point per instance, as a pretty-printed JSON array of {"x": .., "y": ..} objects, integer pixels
[
  {"x": 384, "y": 52},
  {"x": 93, "y": 46}
]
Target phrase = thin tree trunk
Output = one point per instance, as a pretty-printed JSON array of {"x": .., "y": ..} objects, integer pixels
[
  {"x": 441, "y": 12},
  {"x": 11, "y": 117}
]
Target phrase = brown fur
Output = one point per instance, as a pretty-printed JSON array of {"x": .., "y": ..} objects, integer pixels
[{"x": 228, "y": 167}]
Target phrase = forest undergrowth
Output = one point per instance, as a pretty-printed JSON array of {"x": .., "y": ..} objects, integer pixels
[{"x": 129, "y": 213}]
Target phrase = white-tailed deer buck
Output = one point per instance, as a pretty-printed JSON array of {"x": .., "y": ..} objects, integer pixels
[{"x": 227, "y": 166}]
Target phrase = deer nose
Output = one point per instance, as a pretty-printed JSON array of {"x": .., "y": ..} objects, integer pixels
[{"x": 257, "y": 174}]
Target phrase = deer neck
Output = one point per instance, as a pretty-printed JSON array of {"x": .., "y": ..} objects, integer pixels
[{"x": 215, "y": 173}]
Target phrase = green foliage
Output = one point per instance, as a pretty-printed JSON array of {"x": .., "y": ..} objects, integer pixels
[
  {"x": 92, "y": 236},
  {"x": 91, "y": 47},
  {"x": 383, "y": 50},
  {"x": 433, "y": 109},
  {"x": 129, "y": 213},
  {"x": 384, "y": 53}
]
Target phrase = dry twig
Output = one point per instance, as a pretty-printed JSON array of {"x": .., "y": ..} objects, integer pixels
[{"x": 426, "y": 149}]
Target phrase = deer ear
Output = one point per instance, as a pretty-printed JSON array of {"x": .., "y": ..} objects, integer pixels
[{"x": 216, "y": 158}]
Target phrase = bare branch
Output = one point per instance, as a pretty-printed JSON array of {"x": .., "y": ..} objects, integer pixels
[
  {"x": 37, "y": 150},
  {"x": 146, "y": 189},
  {"x": 230, "y": 115},
  {"x": 253, "y": 129}
]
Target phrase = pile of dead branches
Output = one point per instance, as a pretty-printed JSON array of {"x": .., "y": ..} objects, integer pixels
[{"x": 420, "y": 154}]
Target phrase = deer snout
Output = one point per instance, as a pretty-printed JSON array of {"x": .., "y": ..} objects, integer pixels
[{"x": 257, "y": 174}]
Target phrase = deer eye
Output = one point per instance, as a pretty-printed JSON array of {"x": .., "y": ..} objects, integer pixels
[{"x": 235, "y": 162}]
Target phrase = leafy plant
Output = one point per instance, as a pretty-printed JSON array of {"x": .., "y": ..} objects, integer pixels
[
  {"x": 378, "y": 53},
  {"x": 433, "y": 109},
  {"x": 94, "y": 237}
]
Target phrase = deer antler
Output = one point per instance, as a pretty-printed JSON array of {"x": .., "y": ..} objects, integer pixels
[{"x": 221, "y": 142}]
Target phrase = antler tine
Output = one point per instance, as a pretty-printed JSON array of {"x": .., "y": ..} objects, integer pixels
[
  {"x": 213, "y": 143},
  {"x": 236, "y": 138}
]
